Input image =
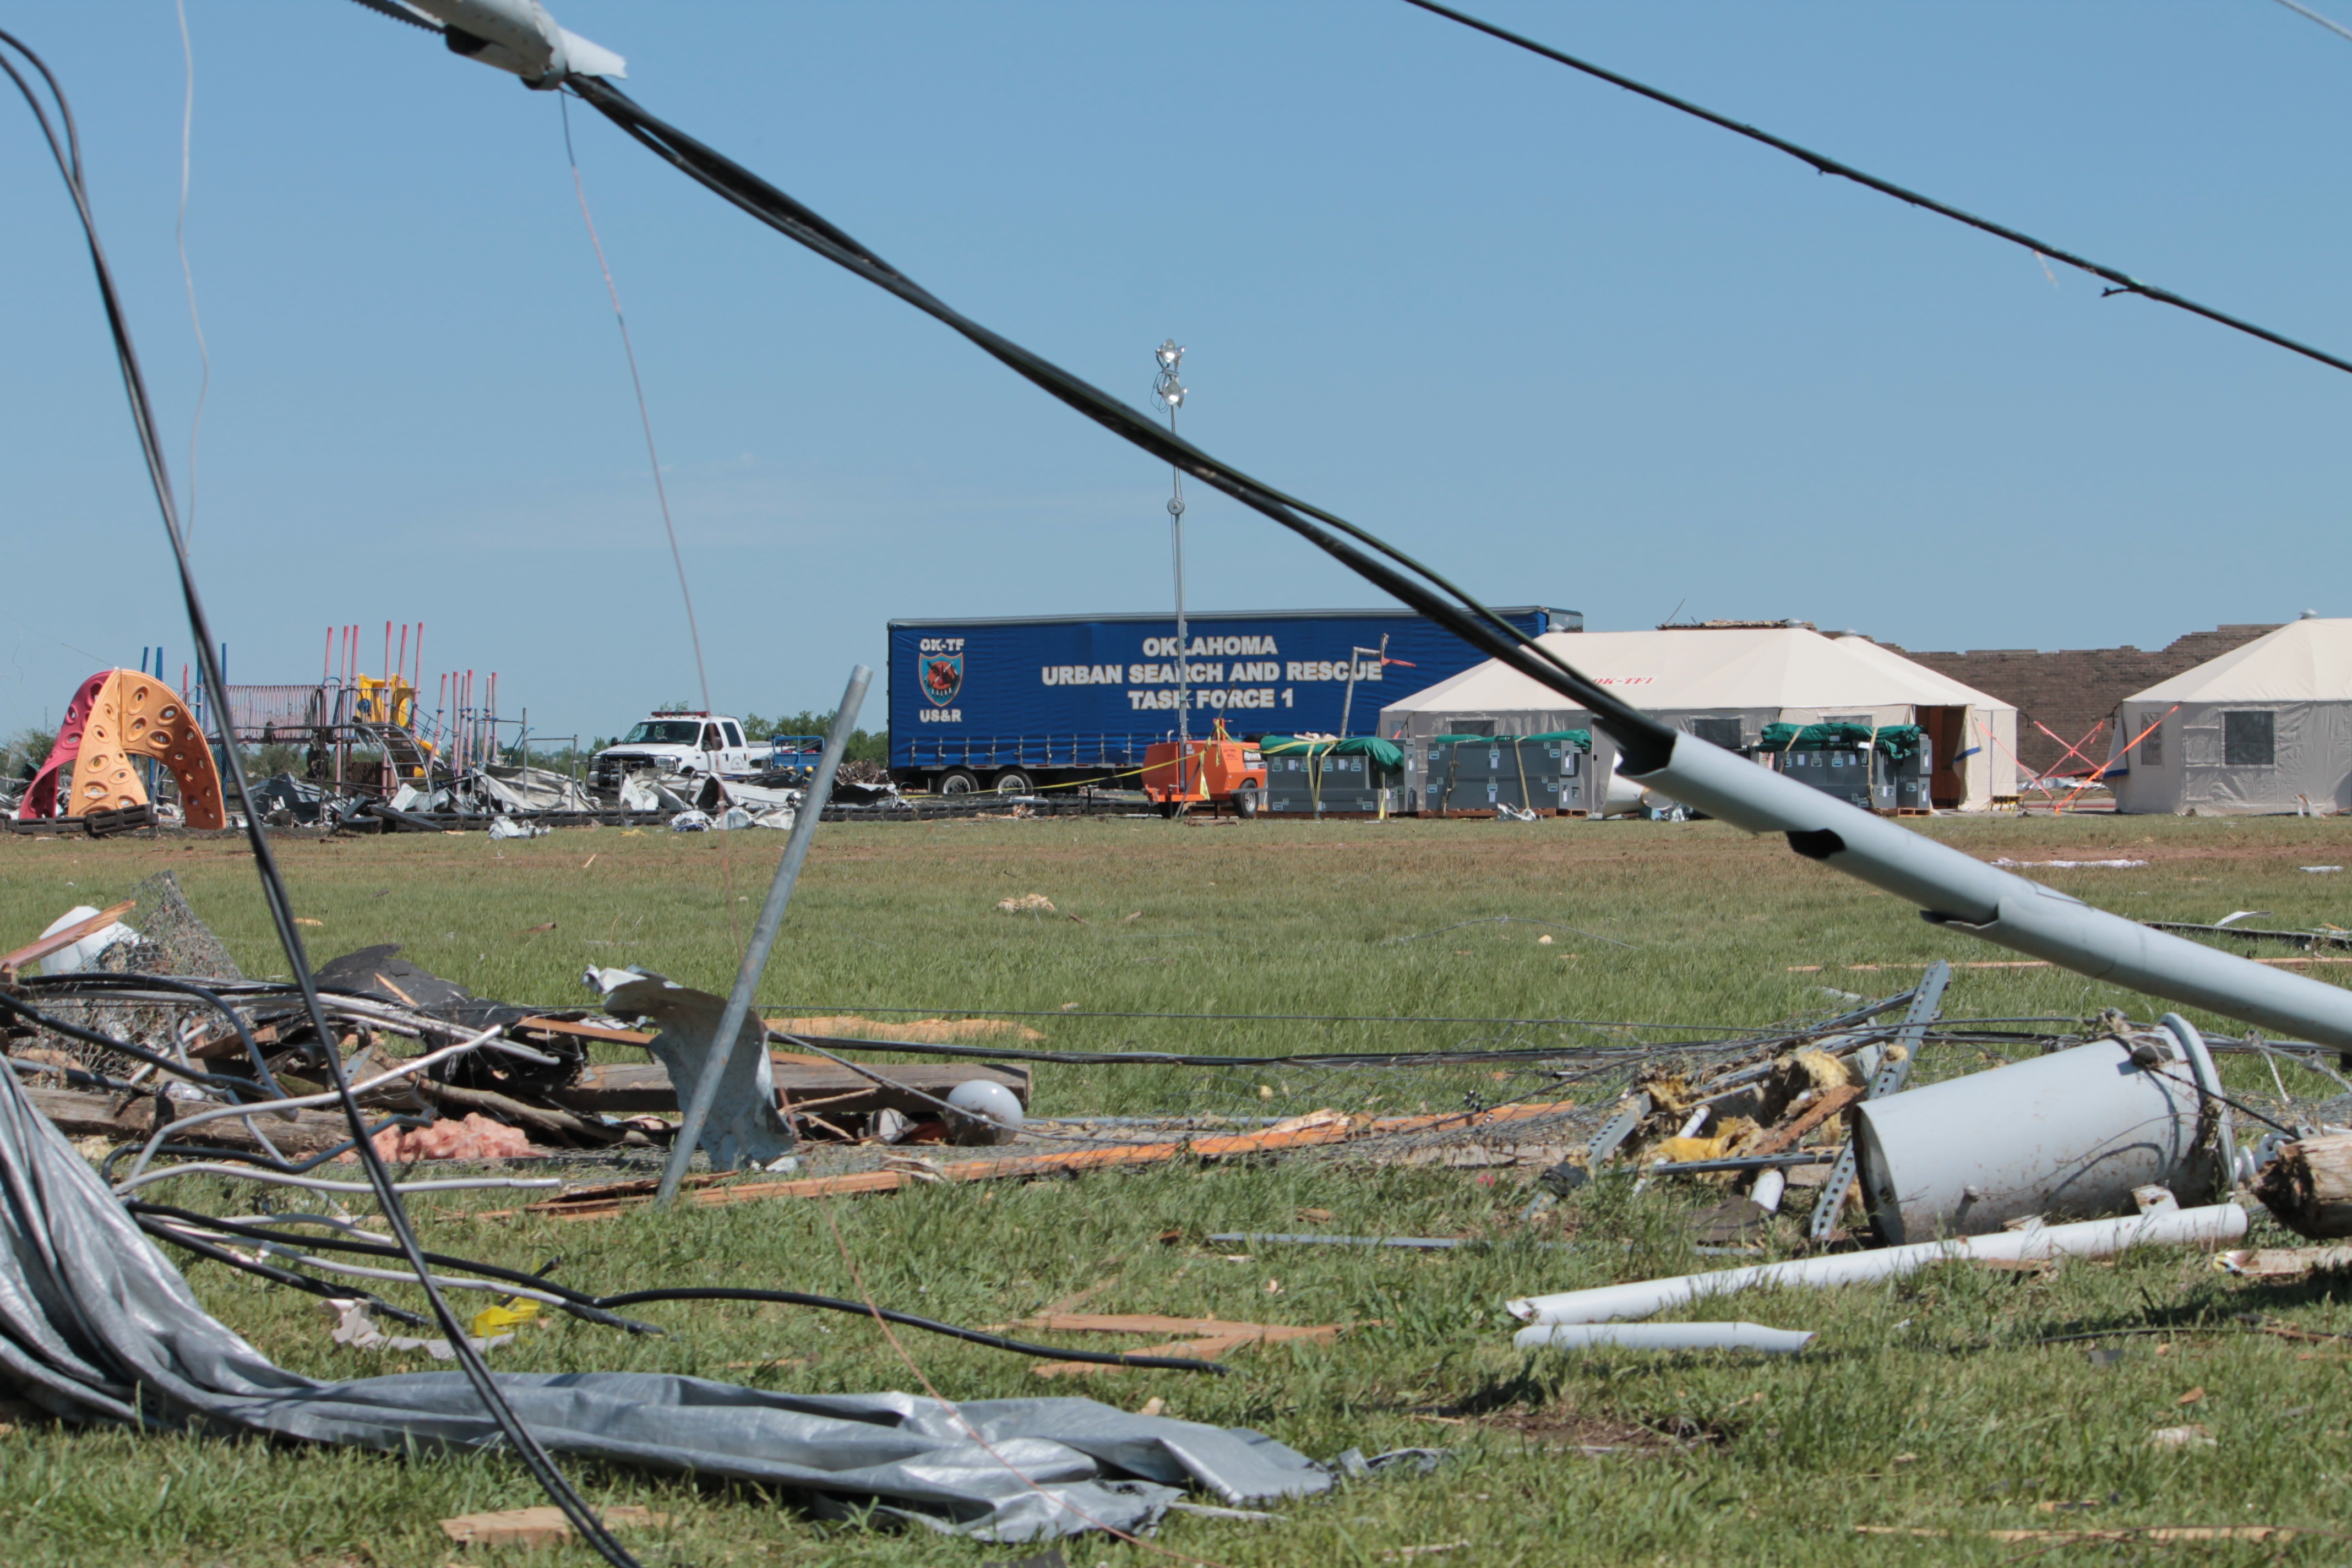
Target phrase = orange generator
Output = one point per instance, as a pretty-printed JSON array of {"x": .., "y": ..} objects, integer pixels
[{"x": 1217, "y": 771}]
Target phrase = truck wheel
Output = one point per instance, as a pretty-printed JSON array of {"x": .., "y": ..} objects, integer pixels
[
  {"x": 956, "y": 781},
  {"x": 1012, "y": 781}
]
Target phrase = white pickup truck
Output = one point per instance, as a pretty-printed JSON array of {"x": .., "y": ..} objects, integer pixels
[{"x": 681, "y": 747}]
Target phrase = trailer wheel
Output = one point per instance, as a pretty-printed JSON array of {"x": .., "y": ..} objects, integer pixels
[
  {"x": 1012, "y": 781},
  {"x": 1245, "y": 801},
  {"x": 957, "y": 781}
]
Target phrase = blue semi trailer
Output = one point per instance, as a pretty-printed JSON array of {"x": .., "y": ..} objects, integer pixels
[{"x": 1012, "y": 705}]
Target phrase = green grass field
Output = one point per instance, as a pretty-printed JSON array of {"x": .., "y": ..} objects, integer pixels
[{"x": 1922, "y": 1405}]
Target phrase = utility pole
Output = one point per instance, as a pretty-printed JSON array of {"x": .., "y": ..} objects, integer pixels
[{"x": 1171, "y": 394}]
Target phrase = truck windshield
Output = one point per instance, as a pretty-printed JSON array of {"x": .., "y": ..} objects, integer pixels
[{"x": 664, "y": 732}]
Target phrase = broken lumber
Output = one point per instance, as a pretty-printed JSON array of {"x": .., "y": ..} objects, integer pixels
[
  {"x": 628, "y": 1089},
  {"x": 2309, "y": 1186},
  {"x": 1155, "y": 1323},
  {"x": 1789, "y": 1135},
  {"x": 1228, "y": 1337},
  {"x": 606, "y": 1200},
  {"x": 538, "y": 1526},
  {"x": 57, "y": 942},
  {"x": 80, "y": 1115}
]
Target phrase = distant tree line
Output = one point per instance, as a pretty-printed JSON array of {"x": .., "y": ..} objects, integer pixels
[{"x": 864, "y": 745}]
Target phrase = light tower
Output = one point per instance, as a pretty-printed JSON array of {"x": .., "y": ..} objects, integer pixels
[{"x": 1171, "y": 395}]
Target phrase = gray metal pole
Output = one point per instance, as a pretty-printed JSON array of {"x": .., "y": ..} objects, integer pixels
[
  {"x": 763, "y": 936},
  {"x": 1170, "y": 393},
  {"x": 1183, "y": 638}
]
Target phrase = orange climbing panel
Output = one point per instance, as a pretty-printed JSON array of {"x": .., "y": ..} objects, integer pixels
[{"x": 135, "y": 715}]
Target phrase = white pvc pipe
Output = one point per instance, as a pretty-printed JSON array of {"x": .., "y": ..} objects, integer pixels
[
  {"x": 279, "y": 1179},
  {"x": 1662, "y": 1337},
  {"x": 2089, "y": 1238},
  {"x": 1768, "y": 1189}
]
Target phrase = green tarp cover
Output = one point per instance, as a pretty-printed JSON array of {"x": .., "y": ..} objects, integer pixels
[
  {"x": 1387, "y": 754},
  {"x": 1580, "y": 739},
  {"x": 1899, "y": 741}
]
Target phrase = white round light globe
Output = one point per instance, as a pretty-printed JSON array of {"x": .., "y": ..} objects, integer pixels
[{"x": 990, "y": 1113}]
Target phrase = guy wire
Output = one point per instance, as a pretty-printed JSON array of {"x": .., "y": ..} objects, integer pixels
[{"x": 66, "y": 152}]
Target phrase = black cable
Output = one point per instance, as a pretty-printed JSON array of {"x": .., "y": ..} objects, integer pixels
[
  {"x": 236, "y": 1086},
  {"x": 2271, "y": 1121},
  {"x": 908, "y": 1320},
  {"x": 535, "y": 1458},
  {"x": 598, "y": 1307},
  {"x": 1247, "y": 1017},
  {"x": 1328, "y": 1059},
  {"x": 247, "y": 1157},
  {"x": 579, "y": 1303},
  {"x": 106, "y": 981},
  {"x": 78, "y": 1076},
  {"x": 1646, "y": 742},
  {"x": 276, "y": 1276},
  {"x": 2122, "y": 283}
]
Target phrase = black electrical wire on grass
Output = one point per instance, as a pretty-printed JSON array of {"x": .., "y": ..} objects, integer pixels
[
  {"x": 1324, "y": 1058},
  {"x": 598, "y": 1309},
  {"x": 579, "y": 1303},
  {"x": 65, "y": 148},
  {"x": 2119, "y": 282},
  {"x": 907, "y": 1319},
  {"x": 844, "y": 1008},
  {"x": 276, "y": 1276}
]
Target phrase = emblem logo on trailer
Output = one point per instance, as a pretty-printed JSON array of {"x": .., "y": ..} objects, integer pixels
[{"x": 942, "y": 678}]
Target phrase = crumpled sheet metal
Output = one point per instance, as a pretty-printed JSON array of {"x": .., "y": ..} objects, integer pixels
[
  {"x": 744, "y": 1127},
  {"x": 96, "y": 1325}
]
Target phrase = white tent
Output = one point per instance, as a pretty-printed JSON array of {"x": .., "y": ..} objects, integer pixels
[
  {"x": 2263, "y": 728},
  {"x": 1725, "y": 684}
]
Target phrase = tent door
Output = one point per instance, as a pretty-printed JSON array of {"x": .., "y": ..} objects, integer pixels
[{"x": 1946, "y": 728}]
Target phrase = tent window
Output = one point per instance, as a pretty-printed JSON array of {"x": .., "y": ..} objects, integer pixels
[
  {"x": 2151, "y": 748},
  {"x": 1468, "y": 727},
  {"x": 1724, "y": 733},
  {"x": 2248, "y": 739}
]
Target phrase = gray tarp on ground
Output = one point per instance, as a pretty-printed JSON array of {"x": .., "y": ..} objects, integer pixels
[{"x": 97, "y": 1325}]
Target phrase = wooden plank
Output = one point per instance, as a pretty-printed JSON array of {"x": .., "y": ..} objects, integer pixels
[
  {"x": 1821, "y": 1110},
  {"x": 607, "y": 1200},
  {"x": 32, "y": 952},
  {"x": 1207, "y": 1347},
  {"x": 309, "y": 1132},
  {"x": 1155, "y": 1323},
  {"x": 80, "y": 1115},
  {"x": 540, "y": 1526},
  {"x": 629, "y": 1087}
]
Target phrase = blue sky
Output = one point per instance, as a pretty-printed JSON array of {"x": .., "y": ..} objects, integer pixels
[{"x": 1568, "y": 346}]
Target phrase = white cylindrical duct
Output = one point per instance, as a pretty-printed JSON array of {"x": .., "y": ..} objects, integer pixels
[
  {"x": 2092, "y": 1239},
  {"x": 1662, "y": 1337},
  {"x": 2068, "y": 1136}
]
